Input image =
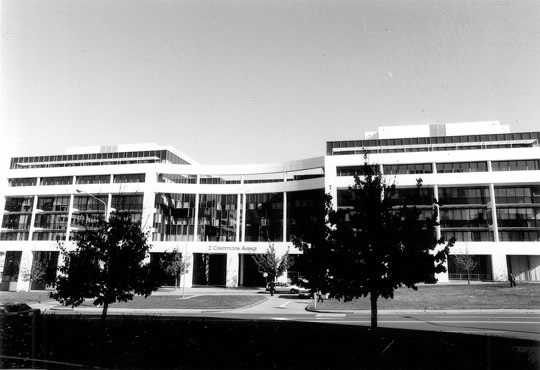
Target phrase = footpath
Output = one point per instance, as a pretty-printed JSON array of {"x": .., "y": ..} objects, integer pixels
[{"x": 212, "y": 299}]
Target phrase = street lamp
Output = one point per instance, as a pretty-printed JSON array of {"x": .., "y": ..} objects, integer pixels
[{"x": 99, "y": 200}]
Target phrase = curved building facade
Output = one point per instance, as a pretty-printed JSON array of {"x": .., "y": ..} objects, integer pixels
[
  {"x": 486, "y": 178},
  {"x": 216, "y": 216}
]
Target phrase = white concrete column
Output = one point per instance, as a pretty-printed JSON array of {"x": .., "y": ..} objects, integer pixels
[
  {"x": 2, "y": 262},
  {"x": 232, "y": 269},
  {"x": 239, "y": 217},
  {"x": 25, "y": 268},
  {"x": 443, "y": 276},
  {"x": 284, "y": 216},
  {"x": 196, "y": 223},
  {"x": 241, "y": 264},
  {"x": 109, "y": 203},
  {"x": 499, "y": 267},
  {"x": 438, "y": 220},
  {"x": 243, "y": 227},
  {"x": 32, "y": 218},
  {"x": 70, "y": 214},
  {"x": 186, "y": 280},
  {"x": 494, "y": 213},
  {"x": 149, "y": 200}
]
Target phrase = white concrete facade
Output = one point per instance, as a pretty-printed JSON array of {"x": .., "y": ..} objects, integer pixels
[
  {"x": 273, "y": 178},
  {"x": 205, "y": 239},
  {"x": 524, "y": 255}
]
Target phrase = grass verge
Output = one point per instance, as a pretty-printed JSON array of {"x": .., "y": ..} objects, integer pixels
[{"x": 449, "y": 297}]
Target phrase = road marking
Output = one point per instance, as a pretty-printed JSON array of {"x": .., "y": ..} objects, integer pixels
[
  {"x": 330, "y": 315},
  {"x": 480, "y": 322},
  {"x": 475, "y": 331},
  {"x": 489, "y": 317},
  {"x": 284, "y": 304},
  {"x": 279, "y": 318},
  {"x": 433, "y": 322}
]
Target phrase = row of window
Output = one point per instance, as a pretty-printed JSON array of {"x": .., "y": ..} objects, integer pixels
[
  {"x": 219, "y": 219},
  {"x": 80, "y": 202},
  {"x": 517, "y": 194},
  {"x": 464, "y": 218},
  {"x": 521, "y": 194},
  {"x": 487, "y": 236},
  {"x": 468, "y": 235},
  {"x": 452, "y": 167},
  {"x": 404, "y": 169},
  {"x": 269, "y": 215},
  {"x": 50, "y": 220},
  {"x": 166, "y": 178},
  {"x": 433, "y": 148},
  {"x": 518, "y": 217},
  {"x": 51, "y": 228},
  {"x": 237, "y": 179},
  {"x": 434, "y": 140},
  {"x": 458, "y": 219},
  {"x": 68, "y": 180},
  {"x": 67, "y": 160},
  {"x": 460, "y": 167},
  {"x": 177, "y": 179}
]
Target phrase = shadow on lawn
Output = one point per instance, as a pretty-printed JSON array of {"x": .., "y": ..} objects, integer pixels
[{"x": 197, "y": 343}]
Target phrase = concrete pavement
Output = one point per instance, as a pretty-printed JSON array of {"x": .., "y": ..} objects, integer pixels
[{"x": 276, "y": 304}]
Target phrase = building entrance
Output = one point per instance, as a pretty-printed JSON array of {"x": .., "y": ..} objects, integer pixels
[
  {"x": 249, "y": 274},
  {"x": 10, "y": 273},
  {"x": 480, "y": 272},
  {"x": 43, "y": 271},
  {"x": 524, "y": 268},
  {"x": 209, "y": 269}
]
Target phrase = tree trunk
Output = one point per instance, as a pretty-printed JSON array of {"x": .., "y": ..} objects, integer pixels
[
  {"x": 468, "y": 278},
  {"x": 373, "y": 344},
  {"x": 373, "y": 298},
  {"x": 104, "y": 312}
]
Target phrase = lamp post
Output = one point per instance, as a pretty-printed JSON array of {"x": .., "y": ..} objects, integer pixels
[{"x": 99, "y": 200}]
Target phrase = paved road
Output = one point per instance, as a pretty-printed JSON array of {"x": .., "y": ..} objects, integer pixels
[
  {"x": 509, "y": 323},
  {"x": 506, "y": 323}
]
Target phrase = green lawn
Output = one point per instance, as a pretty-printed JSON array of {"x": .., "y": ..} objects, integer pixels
[
  {"x": 193, "y": 302},
  {"x": 430, "y": 297},
  {"x": 450, "y": 297},
  {"x": 28, "y": 297},
  {"x": 226, "y": 301}
]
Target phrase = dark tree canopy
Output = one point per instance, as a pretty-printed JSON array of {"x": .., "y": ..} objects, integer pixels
[
  {"x": 107, "y": 265},
  {"x": 375, "y": 246}
]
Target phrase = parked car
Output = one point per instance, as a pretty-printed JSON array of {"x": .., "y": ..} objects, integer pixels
[
  {"x": 17, "y": 309},
  {"x": 305, "y": 290},
  {"x": 288, "y": 288}
]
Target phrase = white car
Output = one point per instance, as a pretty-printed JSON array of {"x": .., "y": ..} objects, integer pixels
[{"x": 280, "y": 287}]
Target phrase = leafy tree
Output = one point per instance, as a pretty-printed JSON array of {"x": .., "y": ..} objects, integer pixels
[
  {"x": 271, "y": 264},
  {"x": 175, "y": 265},
  {"x": 467, "y": 263},
  {"x": 107, "y": 265},
  {"x": 315, "y": 248},
  {"x": 375, "y": 247},
  {"x": 37, "y": 273}
]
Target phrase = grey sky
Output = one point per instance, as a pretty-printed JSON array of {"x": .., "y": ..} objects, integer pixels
[{"x": 259, "y": 81}]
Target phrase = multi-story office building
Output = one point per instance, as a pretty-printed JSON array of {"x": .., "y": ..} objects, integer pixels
[{"x": 486, "y": 178}]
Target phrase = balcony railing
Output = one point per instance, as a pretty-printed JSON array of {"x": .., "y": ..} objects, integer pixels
[{"x": 473, "y": 277}]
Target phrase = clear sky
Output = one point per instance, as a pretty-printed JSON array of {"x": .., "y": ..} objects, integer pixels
[{"x": 229, "y": 81}]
